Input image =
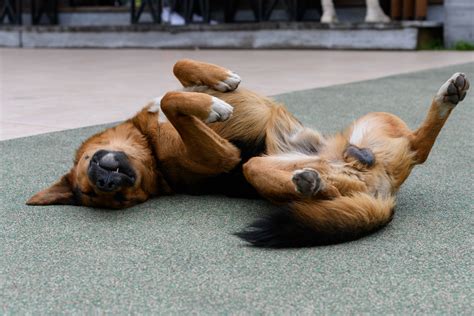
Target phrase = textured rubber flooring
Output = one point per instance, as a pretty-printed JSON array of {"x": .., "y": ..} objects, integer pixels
[{"x": 176, "y": 255}]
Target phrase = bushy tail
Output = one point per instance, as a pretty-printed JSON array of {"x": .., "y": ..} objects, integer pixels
[{"x": 312, "y": 223}]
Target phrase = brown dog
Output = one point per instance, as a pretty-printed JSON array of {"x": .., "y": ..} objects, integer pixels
[
  {"x": 344, "y": 186},
  {"x": 184, "y": 142},
  {"x": 333, "y": 189}
]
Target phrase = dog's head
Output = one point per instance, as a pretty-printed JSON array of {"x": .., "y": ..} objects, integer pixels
[{"x": 113, "y": 169}]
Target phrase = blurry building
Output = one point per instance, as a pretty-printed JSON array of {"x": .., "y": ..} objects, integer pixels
[{"x": 423, "y": 17}]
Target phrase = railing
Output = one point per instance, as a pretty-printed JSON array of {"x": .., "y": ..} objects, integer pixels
[
  {"x": 262, "y": 9},
  {"x": 11, "y": 12},
  {"x": 46, "y": 11},
  {"x": 42, "y": 11}
]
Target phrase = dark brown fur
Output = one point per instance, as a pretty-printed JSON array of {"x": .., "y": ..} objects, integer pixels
[
  {"x": 180, "y": 155},
  {"x": 328, "y": 192},
  {"x": 333, "y": 197}
]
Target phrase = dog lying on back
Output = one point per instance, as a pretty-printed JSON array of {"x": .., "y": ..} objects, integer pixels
[
  {"x": 185, "y": 142},
  {"x": 329, "y": 189}
]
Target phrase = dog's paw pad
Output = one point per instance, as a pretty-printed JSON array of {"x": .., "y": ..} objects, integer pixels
[
  {"x": 220, "y": 111},
  {"x": 363, "y": 155},
  {"x": 307, "y": 181},
  {"x": 454, "y": 90},
  {"x": 229, "y": 84}
]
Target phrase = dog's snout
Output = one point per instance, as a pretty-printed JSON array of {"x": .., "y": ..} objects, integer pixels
[
  {"x": 108, "y": 161},
  {"x": 107, "y": 183},
  {"x": 111, "y": 170}
]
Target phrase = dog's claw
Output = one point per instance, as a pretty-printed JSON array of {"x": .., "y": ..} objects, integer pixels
[
  {"x": 220, "y": 111},
  {"x": 229, "y": 84}
]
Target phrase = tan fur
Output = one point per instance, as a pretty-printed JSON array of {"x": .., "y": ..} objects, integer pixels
[
  {"x": 356, "y": 212},
  {"x": 343, "y": 194},
  {"x": 197, "y": 74},
  {"x": 180, "y": 154},
  {"x": 352, "y": 197}
]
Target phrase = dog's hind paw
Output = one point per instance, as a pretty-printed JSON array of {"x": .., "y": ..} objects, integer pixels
[
  {"x": 229, "y": 84},
  {"x": 220, "y": 111},
  {"x": 307, "y": 181},
  {"x": 453, "y": 91},
  {"x": 363, "y": 155}
]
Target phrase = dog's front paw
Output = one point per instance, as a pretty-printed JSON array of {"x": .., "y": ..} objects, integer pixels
[
  {"x": 453, "y": 91},
  {"x": 307, "y": 181},
  {"x": 228, "y": 84},
  {"x": 220, "y": 111}
]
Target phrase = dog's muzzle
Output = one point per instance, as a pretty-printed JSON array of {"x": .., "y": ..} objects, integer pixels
[{"x": 110, "y": 171}]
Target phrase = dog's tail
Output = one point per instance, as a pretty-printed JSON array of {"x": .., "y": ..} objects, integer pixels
[{"x": 312, "y": 223}]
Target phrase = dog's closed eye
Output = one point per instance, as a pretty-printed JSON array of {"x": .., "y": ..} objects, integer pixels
[{"x": 90, "y": 194}]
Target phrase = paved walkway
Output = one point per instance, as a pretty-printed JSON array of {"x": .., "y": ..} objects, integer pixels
[{"x": 51, "y": 90}]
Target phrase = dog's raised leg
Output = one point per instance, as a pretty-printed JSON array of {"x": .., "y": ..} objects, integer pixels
[
  {"x": 205, "y": 152},
  {"x": 449, "y": 95},
  {"x": 195, "y": 75},
  {"x": 282, "y": 179}
]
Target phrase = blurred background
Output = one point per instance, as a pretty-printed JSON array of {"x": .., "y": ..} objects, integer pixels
[
  {"x": 82, "y": 65},
  {"x": 402, "y": 24},
  {"x": 72, "y": 63}
]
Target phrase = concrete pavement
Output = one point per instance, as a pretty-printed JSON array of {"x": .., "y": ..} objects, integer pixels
[{"x": 46, "y": 90}]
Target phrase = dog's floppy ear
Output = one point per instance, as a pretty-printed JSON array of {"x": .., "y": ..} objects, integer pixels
[{"x": 60, "y": 192}]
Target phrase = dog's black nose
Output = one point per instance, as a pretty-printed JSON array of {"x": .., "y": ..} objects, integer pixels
[
  {"x": 107, "y": 183},
  {"x": 110, "y": 170},
  {"x": 108, "y": 161}
]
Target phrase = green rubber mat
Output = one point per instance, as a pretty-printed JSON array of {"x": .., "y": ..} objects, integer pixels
[{"x": 177, "y": 255}]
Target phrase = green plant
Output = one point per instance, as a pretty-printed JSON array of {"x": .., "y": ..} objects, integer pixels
[
  {"x": 463, "y": 45},
  {"x": 435, "y": 44}
]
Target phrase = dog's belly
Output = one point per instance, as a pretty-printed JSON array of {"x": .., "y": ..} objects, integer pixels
[
  {"x": 231, "y": 184},
  {"x": 385, "y": 135}
]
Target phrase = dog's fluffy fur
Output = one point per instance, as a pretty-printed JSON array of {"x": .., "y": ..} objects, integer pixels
[
  {"x": 328, "y": 189},
  {"x": 189, "y": 141},
  {"x": 347, "y": 188}
]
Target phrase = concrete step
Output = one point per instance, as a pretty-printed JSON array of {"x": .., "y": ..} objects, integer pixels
[{"x": 271, "y": 35}]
